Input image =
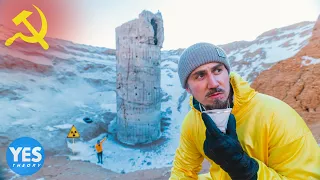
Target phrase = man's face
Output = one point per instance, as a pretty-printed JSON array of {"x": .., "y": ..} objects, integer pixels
[{"x": 209, "y": 84}]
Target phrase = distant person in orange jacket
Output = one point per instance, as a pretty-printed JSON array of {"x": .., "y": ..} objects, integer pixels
[{"x": 99, "y": 149}]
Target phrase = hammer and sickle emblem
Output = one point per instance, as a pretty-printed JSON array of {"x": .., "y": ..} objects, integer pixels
[{"x": 37, "y": 36}]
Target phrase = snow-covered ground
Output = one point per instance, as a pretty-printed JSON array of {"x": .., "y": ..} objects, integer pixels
[
  {"x": 126, "y": 159},
  {"x": 269, "y": 49},
  {"x": 306, "y": 61},
  {"x": 47, "y": 93}
]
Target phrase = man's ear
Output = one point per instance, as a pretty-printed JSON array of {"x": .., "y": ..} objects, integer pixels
[{"x": 188, "y": 90}]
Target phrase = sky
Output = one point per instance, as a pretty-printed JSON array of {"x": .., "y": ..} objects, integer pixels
[{"x": 186, "y": 22}]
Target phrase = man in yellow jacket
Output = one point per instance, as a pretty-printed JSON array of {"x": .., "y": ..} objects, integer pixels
[
  {"x": 99, "y": 149},
  {"x": 264, "y": 138}
]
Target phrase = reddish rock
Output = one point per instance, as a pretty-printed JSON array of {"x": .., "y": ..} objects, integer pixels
[{"x": 296, "y": 81}]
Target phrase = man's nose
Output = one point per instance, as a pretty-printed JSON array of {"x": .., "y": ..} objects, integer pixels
[{"x": 212, "y": 82}]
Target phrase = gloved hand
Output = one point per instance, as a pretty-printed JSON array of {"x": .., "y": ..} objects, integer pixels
[{"x": 226, "y": 151}]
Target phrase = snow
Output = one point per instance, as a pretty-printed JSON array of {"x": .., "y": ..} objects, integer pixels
[
  {"x": 119, "y": 158},
  {"x": 27, "y": 121},
  {"x": 63, "y": 126},
  {"x": 80, "y": 120},
  {"x": 306, "y": 61},
  {"x": 15, "y": 175},
  {"x": 49, "y": 128},
  {"x": 276, "y": 52},
  {"x": 238, "y": 56},
  {"x": 51, "y": 104},
  {"x": 109, "y": 107},
  {"x": 275, "y": 49},
  {"x": 295, "y": 31}
]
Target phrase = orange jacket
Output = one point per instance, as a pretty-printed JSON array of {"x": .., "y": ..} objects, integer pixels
[{"x": 99, "y": 146}]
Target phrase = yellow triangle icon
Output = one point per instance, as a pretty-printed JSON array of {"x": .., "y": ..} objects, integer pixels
[{"x": 73, "y": 133}]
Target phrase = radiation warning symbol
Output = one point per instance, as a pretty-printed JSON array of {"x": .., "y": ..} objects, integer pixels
[{"x": 73, "y": 133}]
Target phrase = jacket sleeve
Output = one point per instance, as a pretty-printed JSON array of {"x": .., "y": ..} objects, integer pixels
[
  {"x": 188, "y": 160},
  {"x": 297, "y": 160},
  {"x": 293, "y": 151},
  {"x": 103, "y": 140}
]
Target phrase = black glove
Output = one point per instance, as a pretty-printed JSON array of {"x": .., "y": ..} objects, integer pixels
[{"x": 226, "y": 151}]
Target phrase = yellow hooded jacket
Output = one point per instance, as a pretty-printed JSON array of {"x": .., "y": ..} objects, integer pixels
[{"x": 269, "y": 131}]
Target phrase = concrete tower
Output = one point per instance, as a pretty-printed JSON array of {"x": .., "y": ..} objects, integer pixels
[{"x": 138, "y": 78}]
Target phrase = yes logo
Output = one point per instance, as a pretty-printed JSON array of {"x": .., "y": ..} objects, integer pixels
[{"x": 25, "y": 156}]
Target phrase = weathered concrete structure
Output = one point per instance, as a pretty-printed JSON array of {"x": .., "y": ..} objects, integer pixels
[{"x": 138, "y": 78}]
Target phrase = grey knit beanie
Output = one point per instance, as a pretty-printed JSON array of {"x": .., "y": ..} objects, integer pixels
[{"x": 197, "y": 55}]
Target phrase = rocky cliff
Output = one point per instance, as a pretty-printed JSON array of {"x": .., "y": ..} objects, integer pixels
[{"x": 296, "y": 81}]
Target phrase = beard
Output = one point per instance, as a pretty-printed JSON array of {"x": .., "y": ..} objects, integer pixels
[{"x": 218, "y": 103}]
